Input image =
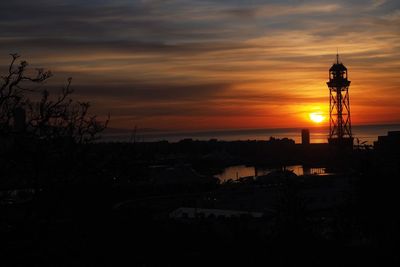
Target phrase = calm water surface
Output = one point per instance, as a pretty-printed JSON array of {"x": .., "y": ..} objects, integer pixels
[{"x": 240, "y": 171}]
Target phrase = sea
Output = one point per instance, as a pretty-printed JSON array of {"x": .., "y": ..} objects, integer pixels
[{"x": 363, "y": 134}]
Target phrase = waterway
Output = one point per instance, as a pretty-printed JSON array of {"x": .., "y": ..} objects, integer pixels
[{"x": 239, "y": 171}]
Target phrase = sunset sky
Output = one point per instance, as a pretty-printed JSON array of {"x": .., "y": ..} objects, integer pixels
[{"x": 202, "y": 65}]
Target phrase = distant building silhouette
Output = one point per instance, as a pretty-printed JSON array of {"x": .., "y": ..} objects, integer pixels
[
  {"x": 192, "y": 213},
  {"x": 389, "y": 143},
  {"x": 305, "y": 137},
  {"x": 278, "y": 141}
]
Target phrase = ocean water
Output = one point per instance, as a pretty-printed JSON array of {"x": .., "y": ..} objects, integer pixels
[{"x": 364, "y": 133}]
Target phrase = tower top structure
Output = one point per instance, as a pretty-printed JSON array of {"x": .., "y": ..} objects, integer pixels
[{"x": 338, "y": 67}]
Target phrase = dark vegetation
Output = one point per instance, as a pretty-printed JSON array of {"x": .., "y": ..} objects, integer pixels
[{"x": 66, "y": 200}]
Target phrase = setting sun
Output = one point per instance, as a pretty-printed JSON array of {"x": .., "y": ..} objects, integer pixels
[{"x": 317, "y": 117}]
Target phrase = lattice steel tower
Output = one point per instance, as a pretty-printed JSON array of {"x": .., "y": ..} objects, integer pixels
[{"x": 339, "y": 106}]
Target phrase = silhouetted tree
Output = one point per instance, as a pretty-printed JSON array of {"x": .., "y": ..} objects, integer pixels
[
  {"x": 41, "y": 133},
  {"x": 46, "y": 119}
]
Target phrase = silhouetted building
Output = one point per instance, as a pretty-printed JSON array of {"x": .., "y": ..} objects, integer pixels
[
  {"x": 305, "y": 137},
  {"x": 389, "y": 143},
  {"x": 278, "y": 141},
  {"x": 191, "y": 213}
]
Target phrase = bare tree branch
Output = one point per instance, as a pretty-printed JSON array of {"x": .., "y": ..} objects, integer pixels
[{"x": 46, "y": 119}]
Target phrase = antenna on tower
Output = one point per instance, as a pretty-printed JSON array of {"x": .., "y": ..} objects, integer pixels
[{"x": 337, "y": 55}]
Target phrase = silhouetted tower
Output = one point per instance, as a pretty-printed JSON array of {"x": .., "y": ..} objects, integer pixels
[
  {"x": 339, "y": 106},
  {"x": 305, "y": 137}
]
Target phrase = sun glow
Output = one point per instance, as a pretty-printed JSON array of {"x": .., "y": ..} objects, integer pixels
[{"x": 317, "y": 117}]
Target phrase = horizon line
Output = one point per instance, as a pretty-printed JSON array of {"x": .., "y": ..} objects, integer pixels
[{"x": 183, "y": 131}]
